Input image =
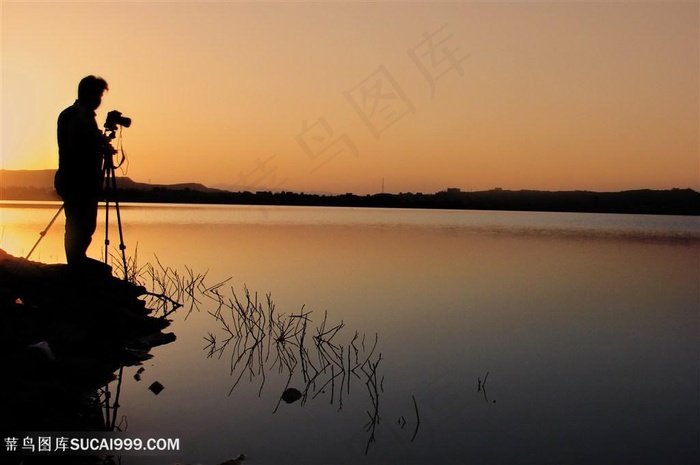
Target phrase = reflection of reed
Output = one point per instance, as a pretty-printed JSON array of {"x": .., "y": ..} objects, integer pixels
[
  {"x": 482, "y": 387},
  {"x": 260, "y": 339},
  {"x": 373, "y": 388},
  {"x": 109, "y": 407},
  {"x": 167, "y": 290},
  {"x": 415, "y": 431}
]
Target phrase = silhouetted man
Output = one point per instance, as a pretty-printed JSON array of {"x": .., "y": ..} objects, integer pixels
[{"x": 79, "y": 178}]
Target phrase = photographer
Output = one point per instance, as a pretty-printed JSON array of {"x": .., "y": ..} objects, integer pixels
[{"x": 79, "y": 179}]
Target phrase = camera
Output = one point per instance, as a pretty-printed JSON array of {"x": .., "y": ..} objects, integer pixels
[{"x": 114, "y": 119}]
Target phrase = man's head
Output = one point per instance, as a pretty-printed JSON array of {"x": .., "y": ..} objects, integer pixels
[{"x": 90, "y": 91}]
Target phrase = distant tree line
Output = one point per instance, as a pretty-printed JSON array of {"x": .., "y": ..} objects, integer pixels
[
  {"x": 665, "y": 202},
  {"x": 671, "y": 202}
]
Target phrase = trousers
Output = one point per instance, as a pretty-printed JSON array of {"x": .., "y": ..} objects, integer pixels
[{"x": 81, "y": 222}]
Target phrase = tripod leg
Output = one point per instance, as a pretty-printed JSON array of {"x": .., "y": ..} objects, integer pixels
[
  {"x": 122, "y": 247},
  {"x": 107, "y": 195},
  {"x": 43, "y": 233}
]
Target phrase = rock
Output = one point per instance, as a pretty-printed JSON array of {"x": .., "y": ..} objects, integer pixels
[
  {"x": 156, "y": 388},
  {"x": 235, "y": 461},
  {"x": 65, "y": 333},
  {"x": 43, "y": 349},
  {"x": 291, "y": 395}
]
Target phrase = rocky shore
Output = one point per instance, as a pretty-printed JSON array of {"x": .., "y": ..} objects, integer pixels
[{"x": 64, "y": 335}]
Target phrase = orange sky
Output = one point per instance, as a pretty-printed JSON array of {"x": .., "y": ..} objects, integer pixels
[{"x": 335, "y": 97}]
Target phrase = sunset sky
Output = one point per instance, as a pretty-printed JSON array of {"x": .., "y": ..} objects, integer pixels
[{"x": 336, "y": 97}]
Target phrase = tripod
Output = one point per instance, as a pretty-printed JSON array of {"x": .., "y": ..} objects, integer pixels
[{"x": 110, "y": 192}]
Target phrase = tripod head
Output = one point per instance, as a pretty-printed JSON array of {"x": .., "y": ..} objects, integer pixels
[
  {"x": 114, "y": 120},
  {"x": 108, "y": 150}
]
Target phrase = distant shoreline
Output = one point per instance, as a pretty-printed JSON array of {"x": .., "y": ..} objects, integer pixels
[
  {"x": 37, "y": 186},
  {"x": 684, "y": 202}
]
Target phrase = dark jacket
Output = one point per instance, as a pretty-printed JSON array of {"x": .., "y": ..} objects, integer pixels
[{"x": 81, "y": 146}]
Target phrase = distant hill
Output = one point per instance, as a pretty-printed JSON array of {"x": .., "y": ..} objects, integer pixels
[
  {"x": 27, "y": 185},
  {"x": 27, "y": 178},
  {"x": 128, "y": 183},
  {"x": 38, "y": 185}
]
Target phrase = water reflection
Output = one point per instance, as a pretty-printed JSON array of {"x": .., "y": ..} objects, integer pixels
[
  {"x": 482, "y": 387},
  {"x": 314, "y": 359},
  {"x": 587, "y": 325}
]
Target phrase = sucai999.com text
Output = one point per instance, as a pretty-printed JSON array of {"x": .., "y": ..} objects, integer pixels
[{"x": 109, "y": 444}]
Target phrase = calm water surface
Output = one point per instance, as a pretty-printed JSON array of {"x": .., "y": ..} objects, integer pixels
[{"x": 587, "y": 326}]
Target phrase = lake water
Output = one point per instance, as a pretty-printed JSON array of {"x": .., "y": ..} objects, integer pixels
[{"x": 581, "y": 330}]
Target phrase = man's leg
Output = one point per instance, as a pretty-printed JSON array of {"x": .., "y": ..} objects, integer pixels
[{"x": 81, "y": 222}]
